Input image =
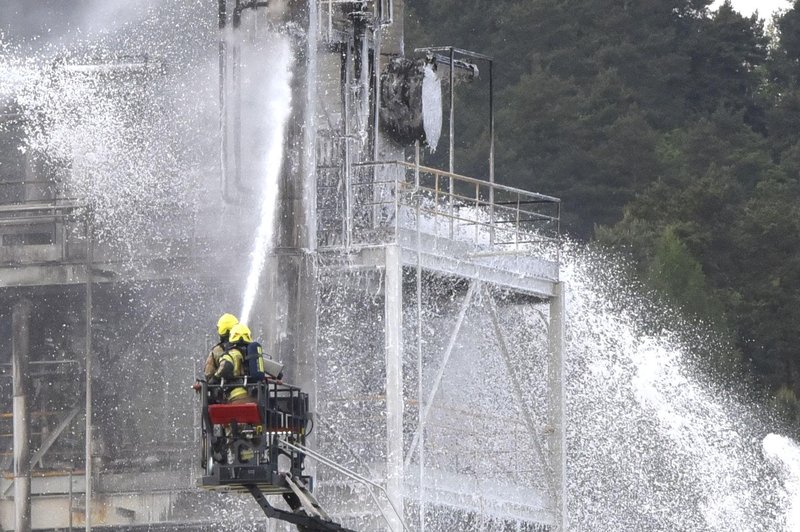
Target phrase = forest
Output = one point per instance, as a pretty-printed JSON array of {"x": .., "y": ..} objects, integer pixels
[{"x": 671, "y": 132}]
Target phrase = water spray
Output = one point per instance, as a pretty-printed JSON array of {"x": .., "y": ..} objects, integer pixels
[{"x": 279, "y": 105}]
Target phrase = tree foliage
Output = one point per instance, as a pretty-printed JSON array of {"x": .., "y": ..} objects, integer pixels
[{"x": 668, "y": 129}]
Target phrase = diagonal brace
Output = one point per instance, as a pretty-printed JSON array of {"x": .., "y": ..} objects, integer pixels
[
  {"x": 439, "y": 374},
  {"x": 526, "y": 415}
]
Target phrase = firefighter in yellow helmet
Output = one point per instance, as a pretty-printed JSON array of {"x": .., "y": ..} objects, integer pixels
[
  {"x": 224, "y": 325},
  {"x": 231, "y": 364}
]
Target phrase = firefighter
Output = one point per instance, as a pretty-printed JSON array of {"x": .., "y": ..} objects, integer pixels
[
  {"x": 224, "y": 325},
  {"x": 232, "y": 363}
]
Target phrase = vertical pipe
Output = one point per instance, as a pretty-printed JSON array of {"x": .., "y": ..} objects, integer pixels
[
  {"x": 557, "y": 413},
  {"x": 310, "y": 133},
  {"x": 88, "y": 431},
  {"x": 223, "y": 112},
  {"x": 376, "y": 97},
  {"x": 290, "y": 285},
  {"x": 376, "y": 113},
  {"x": 237, "y": 95},
  {"x": 491, "y": 152},
  {"x": 452, "y": 165},
  {"x": 70, "y": 500},
  {"x": 20, "y": 353},
  {"x": 393, "y": 310},
  {"x": 419, "y": 350},
  {"x": 330, "y": 20},
  {"x": 348, "y": 178},
  {"x": 364, "y": 78}
]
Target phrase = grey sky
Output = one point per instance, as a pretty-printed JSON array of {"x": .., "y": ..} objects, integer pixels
[{"x": 764, "y": 7}]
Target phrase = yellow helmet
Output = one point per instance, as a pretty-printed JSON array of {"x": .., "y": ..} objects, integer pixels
[
  {"x": 225, "y": 323},
  {"x": 240, "y": 332}
]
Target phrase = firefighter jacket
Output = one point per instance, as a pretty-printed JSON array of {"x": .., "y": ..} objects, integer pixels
[
  {"x": 231, "y": 367},
  {"x": 212, "y": 362}
]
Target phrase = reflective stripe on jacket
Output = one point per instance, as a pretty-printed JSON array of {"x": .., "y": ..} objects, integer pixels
[{"x": 235, "y": 359}]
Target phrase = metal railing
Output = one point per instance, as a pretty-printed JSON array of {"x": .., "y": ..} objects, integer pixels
[
  {"x": 33, "y": 216},
  {"x": 384, "y": 198},
  {"x": 383, "y": 10},
  {"x": 12, "y": 192}
]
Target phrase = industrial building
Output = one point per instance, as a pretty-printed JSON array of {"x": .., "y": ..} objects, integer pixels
[{"x": 419, "y": 308}]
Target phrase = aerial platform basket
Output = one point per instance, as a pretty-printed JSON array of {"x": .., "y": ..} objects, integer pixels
[
  {"x": 241, "y": 442},
  {"x": 258, "y": 448}
]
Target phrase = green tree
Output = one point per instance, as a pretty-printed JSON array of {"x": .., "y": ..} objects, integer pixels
[
  {"x": 679, "y": 277},
  {"x": 668, "y": 130},
  {"x": 768, "y": 272},
  {"x": 726, "y": 55}
]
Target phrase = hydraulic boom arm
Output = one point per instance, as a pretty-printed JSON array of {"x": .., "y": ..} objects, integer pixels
[{"x": 306, "y": 514}]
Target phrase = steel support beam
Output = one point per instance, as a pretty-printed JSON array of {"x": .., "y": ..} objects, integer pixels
[
  {"x": 517, "y": 386},
  {"x": 557, "y": 414},
  {"x": 88, "y": 343},
  {"x": 53, "y": 436},
  {"x": 419, "y": 435},
  {"x": 20, "y": 353},
  {"x": 393, "y": 310},
  {"x": 290, "y": 277}
]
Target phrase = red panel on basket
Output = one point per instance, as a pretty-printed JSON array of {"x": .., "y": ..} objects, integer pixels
[{"x": 245, "y": 413}]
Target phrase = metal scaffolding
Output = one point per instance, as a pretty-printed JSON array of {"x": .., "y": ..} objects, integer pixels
[{"x": 374, "y": 252}]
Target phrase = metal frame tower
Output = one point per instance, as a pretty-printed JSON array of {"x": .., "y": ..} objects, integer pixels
[
  {"x": 383, "y": 220},
  {"x": 364, "y": 226}
]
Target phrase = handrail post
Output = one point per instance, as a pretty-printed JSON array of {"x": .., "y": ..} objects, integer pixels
[
  {"x": 436, "y": 206},
  {"x": 477, "y": 212},
  {"x": 491, "y": 153},
  {"x": 417, "y": 199},
  {"x": 558, "y": 232},
  {"x": 416, "y": 165},
  {"x": 516, "y": 227},
  {"x": 397, "y": 192},
  {"x": 452, "y": 204}
]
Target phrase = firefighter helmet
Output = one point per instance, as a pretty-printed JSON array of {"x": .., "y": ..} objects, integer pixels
[
  {"x": 225, "y": 323},
  {"x": 240, "y": 333}
]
